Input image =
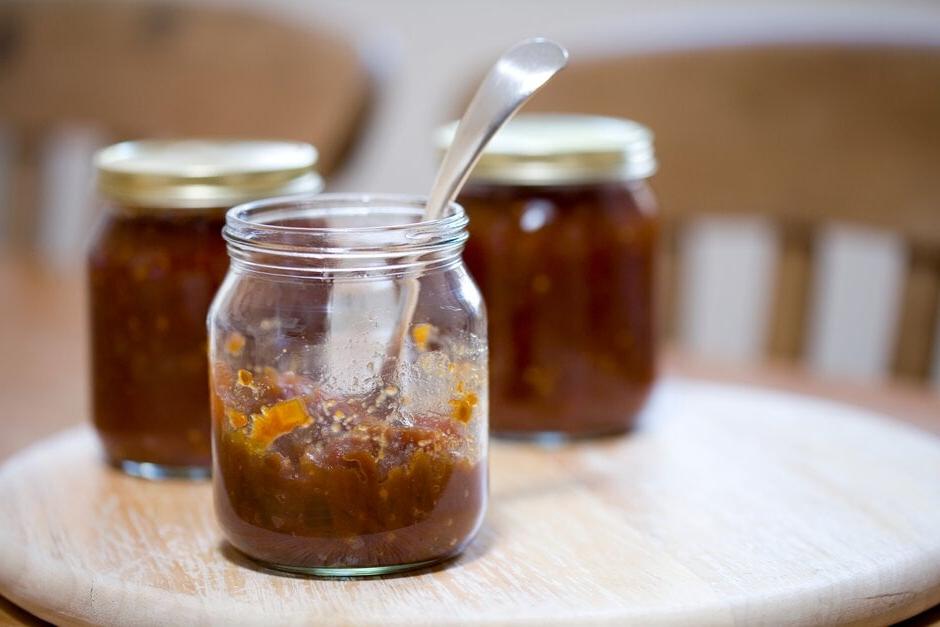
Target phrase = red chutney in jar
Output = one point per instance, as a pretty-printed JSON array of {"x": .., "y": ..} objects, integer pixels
[
  {"x": 151, "y": 279},
  {"x": 157, "y": 259},
  {"x": 563, "y": 232},
  {"x": 309, "y": 482}
]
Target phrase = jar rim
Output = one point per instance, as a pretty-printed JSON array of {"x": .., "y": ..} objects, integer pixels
[
  {"x": 236, "y": 216},
  {"x": 253, "y": 230}
]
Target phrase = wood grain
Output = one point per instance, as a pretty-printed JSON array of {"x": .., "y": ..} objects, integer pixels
[
  {"x": 668, "y": 275},
  {"x": 791, "y": 298},
  {"x": 727, "y": 506},
  {"x": 806, "y": 134},
  {"x": 43, "y": 380},
  {"x": 904, "y": 401},
  {"x": 164, "y": 69},
  {"x": 43, "y": 325},
  {"x": 158, "y": 69},
  {"x": 918, "y": 323},
  {"x": 25, "y": 190},
  {"x": 816, "y": 132}
]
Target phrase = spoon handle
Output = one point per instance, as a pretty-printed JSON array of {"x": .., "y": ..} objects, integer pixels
[{"x": 517, "y": 75}]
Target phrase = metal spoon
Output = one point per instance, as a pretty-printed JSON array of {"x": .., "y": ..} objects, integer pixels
[{"x": 516, "y": 76}]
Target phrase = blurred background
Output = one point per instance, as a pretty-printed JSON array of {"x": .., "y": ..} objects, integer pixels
[{"x": 799, "y": 141}]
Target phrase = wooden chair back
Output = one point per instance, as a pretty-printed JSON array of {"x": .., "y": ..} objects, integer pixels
[
  {"x": 803, "y": 134},
  {"x": 157, "y": 69}
]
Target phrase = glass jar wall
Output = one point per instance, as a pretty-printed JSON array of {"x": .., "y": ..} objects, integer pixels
[{"x": 349, "y": 386}]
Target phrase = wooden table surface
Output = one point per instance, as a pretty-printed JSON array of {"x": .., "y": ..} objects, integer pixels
[{"x": 44, "y": 387}]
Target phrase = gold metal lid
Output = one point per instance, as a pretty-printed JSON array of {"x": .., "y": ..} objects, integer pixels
[
  {"x": 561, "y": 149},
  {"x": 204, "y": 173}
]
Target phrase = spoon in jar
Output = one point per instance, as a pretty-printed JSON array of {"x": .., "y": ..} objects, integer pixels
[{"x": 517, "y": 75}]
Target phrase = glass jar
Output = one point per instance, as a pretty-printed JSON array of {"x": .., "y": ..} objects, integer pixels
[
  {"x": 563, "y": 229},
  {"x": 349, "y": 386},
  {"x": 155, "y": 263}
]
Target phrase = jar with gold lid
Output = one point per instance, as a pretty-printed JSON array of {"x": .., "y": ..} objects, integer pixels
[
  {"x": 154, "y": 265},
  {"x": 563, "y": 229}
]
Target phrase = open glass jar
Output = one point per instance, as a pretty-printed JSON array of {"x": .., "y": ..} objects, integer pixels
[
  {"x": 563, "y": 229},
  {"x": 348, "y": 365},
  {"x": 155, "y": 263}
]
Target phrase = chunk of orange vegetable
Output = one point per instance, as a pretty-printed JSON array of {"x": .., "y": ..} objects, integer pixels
[
  {"x": 236, "y": 418},
  {"x": 234, "y": 343},
  {"x": 245, "y": 378},
  {"x": 462, "y": 406},
  {"x": 421, "y": 334},
  {"x": 278, "y": 419}
]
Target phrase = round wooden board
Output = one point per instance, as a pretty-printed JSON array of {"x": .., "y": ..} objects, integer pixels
[{"x": 728, "y": 505}]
